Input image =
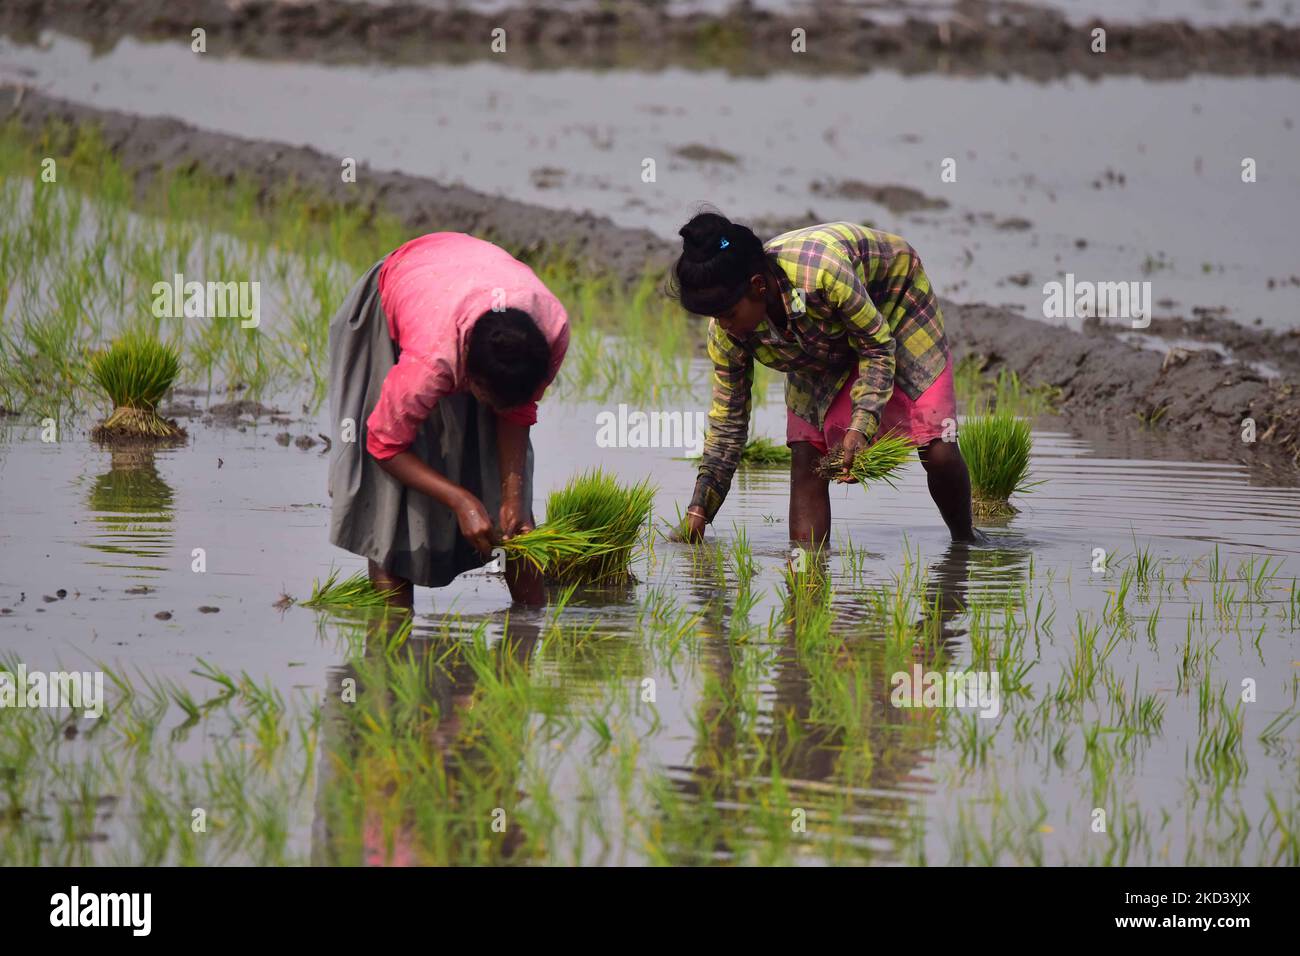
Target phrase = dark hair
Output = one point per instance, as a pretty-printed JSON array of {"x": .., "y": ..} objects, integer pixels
[
  {"x": 508, "y": 356},
  {"x": 718, "y": 257}
]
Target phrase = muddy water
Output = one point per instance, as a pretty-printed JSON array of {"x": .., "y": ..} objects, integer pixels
[
  {"x": 1084, "y": 177},
  {"x": 103, "y": 527}
]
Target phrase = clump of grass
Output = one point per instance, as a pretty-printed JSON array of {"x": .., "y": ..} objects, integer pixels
[
  {"x": 879, "y": 461},
  {"x": 135, "y": 372},
  {"x": 764, "y": 451},
  {"x": 355, "y": 592},
  {"x": 996, "y": 448},
  {"x": 591, "y": 530}
]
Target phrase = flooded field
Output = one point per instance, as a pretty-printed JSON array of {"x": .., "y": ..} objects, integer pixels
[
  {"x": 768, "y": 695},
  {"x": 683, "y": 719},
  {"x": 1068, "y": 194},
  {"x": 740, "y": 700}
]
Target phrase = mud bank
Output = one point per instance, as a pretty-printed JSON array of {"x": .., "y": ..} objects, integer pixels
[
  {"x": 149, "y": 146},
  {"x": 975, "y": 37},
  {"x": 1199, "y": 399},
  {"x": 1193, "y": 402}
]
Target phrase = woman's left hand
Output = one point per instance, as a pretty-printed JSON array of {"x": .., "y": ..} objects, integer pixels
[
  {"x": 515, "y": 518},
  {"x": 854, "y": 442},
  {"x": 524, "y": 580}
]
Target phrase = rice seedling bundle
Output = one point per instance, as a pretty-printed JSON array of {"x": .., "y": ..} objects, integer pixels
[
  {"x": 591, "y": 530},
  {"x": 996, "y": 448},
  {"x": 879, "y": 461},
  {"x": 135, "y": 372}
]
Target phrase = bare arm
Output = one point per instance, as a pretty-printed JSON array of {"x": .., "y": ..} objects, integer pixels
[
  {"x": 512, "y": 456},
  {"x": 524, "y": 581},
  {"x": 412, "y": 471}
]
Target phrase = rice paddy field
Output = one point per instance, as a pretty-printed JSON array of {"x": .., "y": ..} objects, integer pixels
[
  {"x": 724, "y": 705},
  {"x": 740, "y": 701}
]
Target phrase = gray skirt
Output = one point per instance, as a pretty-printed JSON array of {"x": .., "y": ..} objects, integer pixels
[{"x": 374, "y": 515}]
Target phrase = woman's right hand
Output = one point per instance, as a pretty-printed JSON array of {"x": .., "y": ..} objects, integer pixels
[
  {"x": 474, "y": 523},
  {"x": 691, "y": 528}
]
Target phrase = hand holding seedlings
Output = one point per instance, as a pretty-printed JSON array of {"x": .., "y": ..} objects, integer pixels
[
  {"x": 472, "y": 517},
  {"x": 592, "y": 527},
  {"x": 691, "y": 529},
  {"x": 877, "y": 461},
  {"x": 514, "y": 519},
  {"x": 854, "y": 442}
]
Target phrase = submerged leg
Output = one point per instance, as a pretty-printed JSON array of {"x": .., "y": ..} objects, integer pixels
[
  {"x": 949, "y": 481},
  {"x": 525, "y": 583},
  {"x": 404, "y": 596},
  {"x": 810, "y": 498}
]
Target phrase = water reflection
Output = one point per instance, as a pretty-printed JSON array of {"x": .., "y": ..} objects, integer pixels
[
  {"x": 405, "y": 776},
  {"x": 800, "y": 732},
  {"x": 787, "y": 704},
  {"x": 131, "y": 512}
]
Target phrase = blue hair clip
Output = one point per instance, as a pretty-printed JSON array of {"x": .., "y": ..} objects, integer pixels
[{"x": 724, "y": 244}]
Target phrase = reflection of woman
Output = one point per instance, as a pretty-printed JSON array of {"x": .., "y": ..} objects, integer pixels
[
  {"x": 350, "y": 826},
  {"x": 818, "y": 762},
  {"x": 849, "y": 315},
  {"x": 437, "y": 360}
]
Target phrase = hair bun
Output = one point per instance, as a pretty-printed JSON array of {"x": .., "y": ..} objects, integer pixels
[{"x": 702, "y": 236}]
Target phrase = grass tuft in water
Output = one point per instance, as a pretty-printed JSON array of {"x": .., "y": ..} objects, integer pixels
[
  {"x": 996, "y": 448},
  {"x": 135, "y": 372},
  {"x": 355, "y": 592},
  {"x": 879, "y": 461},
  {"x": 764, "y": 451}
]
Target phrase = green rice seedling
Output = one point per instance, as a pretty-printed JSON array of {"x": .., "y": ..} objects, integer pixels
[
  {"x": 979, "y": 389},
  {"x": 996, "y": 448},
  {"x": 354, "y": 592},
  {"x": 612, "y": 514},
  {"x": 879, "y": 461},
  {"x": 545, "y": 546},
  {"x": 1143, "y": 563},
  {"x": 135, "y": 372},
  {"x": 763, "y": 451}
]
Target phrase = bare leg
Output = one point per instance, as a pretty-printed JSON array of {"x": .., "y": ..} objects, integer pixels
[
  {"x": 810, "y": 498},
  {"x": 949, "y": 481},
  {"x": 383, "y": 581}
]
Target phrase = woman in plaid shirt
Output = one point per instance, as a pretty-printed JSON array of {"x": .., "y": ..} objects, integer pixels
[{"x": 849, "y": 315}]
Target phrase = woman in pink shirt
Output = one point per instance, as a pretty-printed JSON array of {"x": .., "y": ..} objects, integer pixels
[{"x": 438, "y": 358}]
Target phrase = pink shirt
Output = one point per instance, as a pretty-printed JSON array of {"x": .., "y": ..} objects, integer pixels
[{"x": 433, "y": 290}]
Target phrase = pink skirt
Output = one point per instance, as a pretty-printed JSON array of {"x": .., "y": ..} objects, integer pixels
[{"x": 922, "y": 420}]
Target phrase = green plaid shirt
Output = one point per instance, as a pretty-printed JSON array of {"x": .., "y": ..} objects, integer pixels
[{"x": 857, "y": 302}]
